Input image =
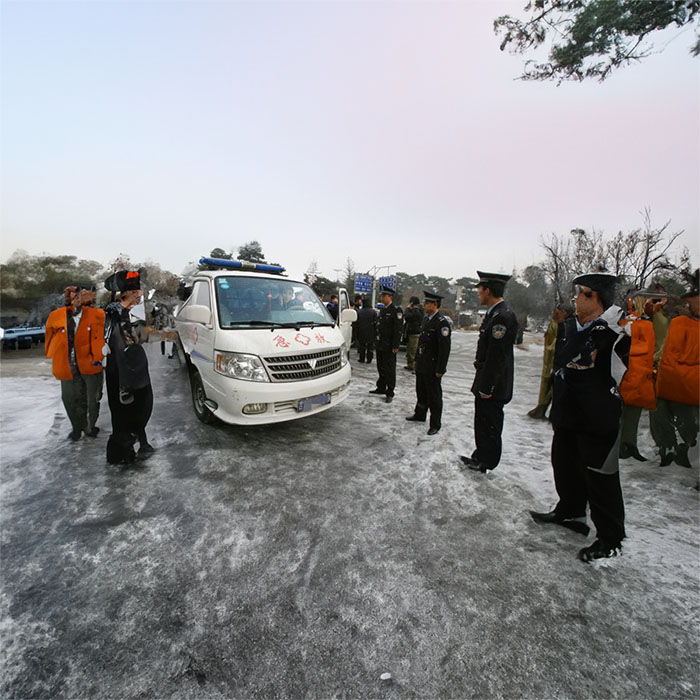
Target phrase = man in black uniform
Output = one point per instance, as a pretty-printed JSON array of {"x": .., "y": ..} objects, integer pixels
[
  {"x": 493, "y": 382},
  {"x": 589, "y": 362},
  {"x": 389, "y": 327},
  {"x": 366, "y": 331},
  {"x": 431, "y": 363}
]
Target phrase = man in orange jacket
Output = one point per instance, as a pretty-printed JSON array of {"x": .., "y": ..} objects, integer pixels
[
  {"x": 637, "y": 387},
  {"x": 74, "y": 340},
  {"x": 678, "y": 384}
]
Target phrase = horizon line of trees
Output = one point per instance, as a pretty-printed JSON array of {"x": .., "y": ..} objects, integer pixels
[{"x": 640, "y": 257}]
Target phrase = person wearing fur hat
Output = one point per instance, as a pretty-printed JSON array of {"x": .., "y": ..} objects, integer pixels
[
  {"x": 73, "y": 341},
  {"x": 128, "y": 383},
  {"x": 678, "y": 383},
  {"x": 590, "y": 360}
]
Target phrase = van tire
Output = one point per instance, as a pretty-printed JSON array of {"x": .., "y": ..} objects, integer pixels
[{"x": 198, "y": 397}]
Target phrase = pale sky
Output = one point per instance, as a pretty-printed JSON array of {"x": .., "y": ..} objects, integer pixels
[{"x": 393, "y": 133}]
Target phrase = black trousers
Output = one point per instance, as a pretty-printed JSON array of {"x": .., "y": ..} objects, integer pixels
[
  {"x": 365, "y": 348},
  {"x": 386, "y": 366},
  {"x": 128, "y": 420},
  {"x": 583, "y": 475},
  {"x": 488, "y": 426},
  {"x": 429, "y": 398}
]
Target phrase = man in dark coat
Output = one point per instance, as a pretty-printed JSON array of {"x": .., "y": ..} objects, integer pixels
[
  {"x": 366, "y": 331},
  {"x": 389, "y": 326},
  {"x": 129, "y": 389},
  {"x": 589, "y": 362},
  {"x": 431, "y": 363},
  {"x": 493, "y": 381},
  {"x": 413, "y": 320},
  {"x": 332, "y": 306}
]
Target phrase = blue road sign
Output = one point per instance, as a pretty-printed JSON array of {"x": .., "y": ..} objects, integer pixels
[
  {"x": 363, "y": 284},
  {"x": 388, "y": 281}
]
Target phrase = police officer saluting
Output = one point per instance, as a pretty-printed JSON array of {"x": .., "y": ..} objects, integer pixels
[
  {"x": 431, "y": 363},
  {"x": 589, "y": 362},
  {"x": 493, "y": 382},
  {"x": 389, "y": 326}
]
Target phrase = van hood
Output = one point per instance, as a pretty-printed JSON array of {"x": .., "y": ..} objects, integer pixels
[{"x": 279, "y": 341}]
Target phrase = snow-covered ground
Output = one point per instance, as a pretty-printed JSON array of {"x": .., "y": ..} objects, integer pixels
[{"x": 308, "y": 558}]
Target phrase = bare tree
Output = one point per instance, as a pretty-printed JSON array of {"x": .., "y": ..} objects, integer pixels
[
  {"x": 558, "y": 264},
  {"x": 642, "y": 253},
  {"x": 635, "y": 257}
]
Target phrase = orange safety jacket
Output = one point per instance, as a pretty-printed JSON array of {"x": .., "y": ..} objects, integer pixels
[
  {"x": 88, "y": 342},
  {"x": 678, "y": 378},
  {"x": 637, "y": 388}
]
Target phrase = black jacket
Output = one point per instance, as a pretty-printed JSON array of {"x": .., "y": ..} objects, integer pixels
[
  {"x": 413, "y": 317},
  {"x": 434, "y": 345},
  {"x": 389, "y": 326},
  {"x": 494, "y": 354},
  {"x": 585, "y": 397},
  {"x": 366, "y": 325}
]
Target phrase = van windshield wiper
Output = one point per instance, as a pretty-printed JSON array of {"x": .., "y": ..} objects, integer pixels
[
  {"x": 302, "y": 324},
  {"x": 274, "y": 324}
]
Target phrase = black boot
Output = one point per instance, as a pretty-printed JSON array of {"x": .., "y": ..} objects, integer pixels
[
  {"x": 666, "y": 457},
  {"x": 538, "y": 412},
  {"x": 575, "y": 524},
  {"x": 600, "y": 550},
  {"x": 682, "y": 456}
]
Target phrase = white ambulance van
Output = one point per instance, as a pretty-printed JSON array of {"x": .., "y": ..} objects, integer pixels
[{"x": 260, "y": 347}]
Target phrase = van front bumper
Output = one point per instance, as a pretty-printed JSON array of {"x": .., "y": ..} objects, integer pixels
[{"x": 278, "y": 401}]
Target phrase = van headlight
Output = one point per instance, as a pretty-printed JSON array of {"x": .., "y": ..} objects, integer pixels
[
  {"x": 343, "y": 356},
  {"x": 240, "y": 366}
]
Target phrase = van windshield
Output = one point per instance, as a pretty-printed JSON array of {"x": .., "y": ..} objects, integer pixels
[{"x": 255, "y": 302}]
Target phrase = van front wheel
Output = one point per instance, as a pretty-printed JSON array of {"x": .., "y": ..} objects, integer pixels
[{"x": 198, "y": 398}]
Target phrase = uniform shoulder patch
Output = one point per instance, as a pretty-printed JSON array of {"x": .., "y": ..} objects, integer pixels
[
  {"x": 498, "y": 331},
  {"x": 445, "y": 330},
  {"x": 399, "y": 314}
]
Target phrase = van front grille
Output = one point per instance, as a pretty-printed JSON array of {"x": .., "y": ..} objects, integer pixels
[{"x": 293, "y": 368}]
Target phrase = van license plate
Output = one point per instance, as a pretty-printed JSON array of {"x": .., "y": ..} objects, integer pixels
[{"x": 308, "y": 404}]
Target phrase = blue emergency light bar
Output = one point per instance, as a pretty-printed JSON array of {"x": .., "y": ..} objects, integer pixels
[{"x": 242, "y": 265}]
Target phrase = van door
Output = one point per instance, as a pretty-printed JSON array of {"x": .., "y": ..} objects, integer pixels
[
  {"x": 202, "y": 334},
  {"x": 346, "y": 317}
]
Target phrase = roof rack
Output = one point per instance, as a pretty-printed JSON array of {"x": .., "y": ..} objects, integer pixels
[{"x": 242, "y": 265}]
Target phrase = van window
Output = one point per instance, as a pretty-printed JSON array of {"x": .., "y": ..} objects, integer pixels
[
  {"x": 253, "y": 302},
  {"x": 343, "y": 302},
  {"x": 200, "y": 294}
]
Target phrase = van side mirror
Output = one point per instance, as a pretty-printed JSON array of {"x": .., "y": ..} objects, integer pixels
[
  {"x": 348, "y": 316},
  {"x": 195, "y": 313}
]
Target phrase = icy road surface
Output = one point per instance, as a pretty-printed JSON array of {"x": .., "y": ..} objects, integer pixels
[{"x": 305, "y": 560}]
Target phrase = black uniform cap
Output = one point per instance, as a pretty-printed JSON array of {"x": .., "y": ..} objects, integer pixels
[
  {"x": 387, "y": 290},
  {"x": 123, "y": 281},
  {"x": 601, "y": 282},
  {"x": 597, "y": 281},
  {"x": 431, "y": 296},
  {"x": 493, "y": 280}
]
